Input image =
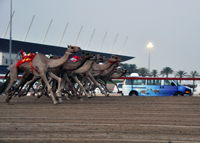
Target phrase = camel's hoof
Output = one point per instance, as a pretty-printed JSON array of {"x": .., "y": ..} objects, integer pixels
[
  {"x": 8, "y": 101},
  {"x": 90, "y": 97},
  {"x": 60, "y": 100},
  {"x": 107, "y": 95},
  {"x": 67, "y": 98},
  {"x": 55, "y": 103}
]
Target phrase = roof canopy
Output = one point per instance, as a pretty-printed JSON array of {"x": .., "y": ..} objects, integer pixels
[
  {"x": 45, "y": 49},
  {"x": 41, "y": 48}
]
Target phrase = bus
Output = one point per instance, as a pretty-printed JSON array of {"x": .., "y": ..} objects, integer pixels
[{"x": 151, "y": 87}]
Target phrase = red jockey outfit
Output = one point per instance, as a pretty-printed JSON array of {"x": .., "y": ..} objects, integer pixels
[
  {"x": 26, "y": 58},
  {"x": 75, "y": 58}
]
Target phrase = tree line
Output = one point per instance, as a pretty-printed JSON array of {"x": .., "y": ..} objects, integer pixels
[{"x": 132, "y": 68}]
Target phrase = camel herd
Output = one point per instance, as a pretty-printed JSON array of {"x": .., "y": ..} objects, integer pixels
[{"x": 60, "y": 75}]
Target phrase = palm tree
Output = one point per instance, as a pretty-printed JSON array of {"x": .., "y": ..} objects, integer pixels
[
  {"x": 166, "y": 71},
  {"x": 193, "y": 74},
  {"x": 132, "y": 68},
  {"x": 125, "y": 66},
  {"x": 154, "y": 73},
  {"x": 180, "y": 74},
  {"x": 143, "y": 71}
]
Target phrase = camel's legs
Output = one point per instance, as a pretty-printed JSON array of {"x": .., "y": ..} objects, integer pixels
[
  {"x": 29, "y": 84},
  {"x": 65, "y": 76},
  {"x": 103, "y": 85},
  {"x": 114, "y": 84},
  {"x": 21, "y": 83},
  {"x": 81, "y": 86},
  {"x": 58, "y": 92},
  {"x": 43, "y": 76},
  {"x": 96, "y": 83},
  {"x": 11, "y": 83}
]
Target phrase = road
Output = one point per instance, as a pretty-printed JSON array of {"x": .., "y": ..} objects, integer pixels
[{"x": 101, "y": 119}]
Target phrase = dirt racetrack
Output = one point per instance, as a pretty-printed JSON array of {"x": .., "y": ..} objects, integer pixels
[{"x": 101, "y": 119}]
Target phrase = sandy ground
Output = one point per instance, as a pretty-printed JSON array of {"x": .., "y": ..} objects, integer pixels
[{"x": 101, "y": 119}]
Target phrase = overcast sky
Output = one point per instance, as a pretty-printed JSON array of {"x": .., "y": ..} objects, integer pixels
[{"x": 173, "y": 26}]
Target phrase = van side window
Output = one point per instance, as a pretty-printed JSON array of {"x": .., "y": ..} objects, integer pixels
[
  {"x": 167, "y": 82},
  {"x": 138, "y": 82},
  {"x": 128, "y": 82},
  {"x": 153, "y": 82}
]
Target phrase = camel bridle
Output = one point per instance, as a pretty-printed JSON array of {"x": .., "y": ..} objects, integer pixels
[
  {"x": 113, "y": 62},
  {"x": 74, "y": 49}
]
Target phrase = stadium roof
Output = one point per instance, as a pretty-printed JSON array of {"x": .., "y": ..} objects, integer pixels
[
  {"x": 41, "y": 48},
  {"x": 45, "y": 49}
]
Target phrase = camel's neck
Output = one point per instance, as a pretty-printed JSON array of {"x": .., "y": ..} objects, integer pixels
[
  {"x": 86, "y": 67},
  {"x": 52, "y": 63},
  {"x": 117, "y": 75},
  {"x": 109, "y": 70},
  {"x": 104, "y": 66}
]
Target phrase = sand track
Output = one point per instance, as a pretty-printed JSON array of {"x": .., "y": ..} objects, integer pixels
[{"x": 101, "y": 119}]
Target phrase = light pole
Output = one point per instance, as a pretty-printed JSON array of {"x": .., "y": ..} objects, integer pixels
[{"x": 150, "y": 45}]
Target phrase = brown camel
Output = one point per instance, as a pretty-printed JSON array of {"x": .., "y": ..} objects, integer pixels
[
  {"x": 112, "y": 75},
  {"x": 28, "y": 76},
  {"x": 71, "y": 66},
  {"x": 67, "y": 66},
  {"x": 104, "y": 74},
  {"x": 155, "y": 91},
  {"x": 41, "y": 66},
  {"x": 99, "y": 67},
  {"x": 143, "y": 91}
]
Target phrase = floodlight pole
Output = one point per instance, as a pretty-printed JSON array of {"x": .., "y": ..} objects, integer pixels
[
  {"x": 8, "y": 26},
  {"x": 78, "y": 35},
  {"x": 123, "y": 45},
  {"x": 63, "y": 34},
  {"x": 29, "y": 28},
  {"x": 113, "y": 43},
  {"x": 47, "y": 31},
  {"x": 10, "y": 45},
  {"x": 102, "y": 42},
  {"x": 90, "y": 40}
]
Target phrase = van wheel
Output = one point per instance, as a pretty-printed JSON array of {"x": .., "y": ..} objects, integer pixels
[
  {"x": 133, "y": 93},
  {"x": 178, "y": 94}
]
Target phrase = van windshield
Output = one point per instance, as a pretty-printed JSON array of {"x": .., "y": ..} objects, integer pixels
[{"x": 170, "y": 82}]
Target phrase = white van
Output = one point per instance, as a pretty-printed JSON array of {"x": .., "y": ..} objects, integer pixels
[
  {"x": 144, "y": 87},
  {"x": 197, "y": 89}
]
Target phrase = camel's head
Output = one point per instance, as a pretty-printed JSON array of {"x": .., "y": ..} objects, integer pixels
[
  {"x": 125, "y": 71},
  {"x": 99, "y": 58},
  {"x": 73, "y": 49},
  {"x": 105, "y": 58},
  {"x": 120, "y": 64},
  {"x": 87, "y": 55},
  {"x": 113, "y": 59}
]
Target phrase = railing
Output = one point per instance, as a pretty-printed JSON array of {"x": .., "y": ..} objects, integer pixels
[{"x": 158, "y": 78}]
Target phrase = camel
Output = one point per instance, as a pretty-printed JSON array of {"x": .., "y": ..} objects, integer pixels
[
  {"x": 155, "y": 91},
  {"x": 67, "y": 66},
  {"x": 97, "y": 67},
  {"x": 143, "y": 91},
  {"x": 40, "y": 67},
  {"x": 103, "y": 76},
  {"x": 111, "y": 76},
  {"x": 71, "y": 66}
]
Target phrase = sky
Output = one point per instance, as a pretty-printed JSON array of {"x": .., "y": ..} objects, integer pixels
[{"x": 173, "y": 26}]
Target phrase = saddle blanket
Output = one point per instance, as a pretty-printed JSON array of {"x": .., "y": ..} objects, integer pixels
[{"x": 28, "y": 58}]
